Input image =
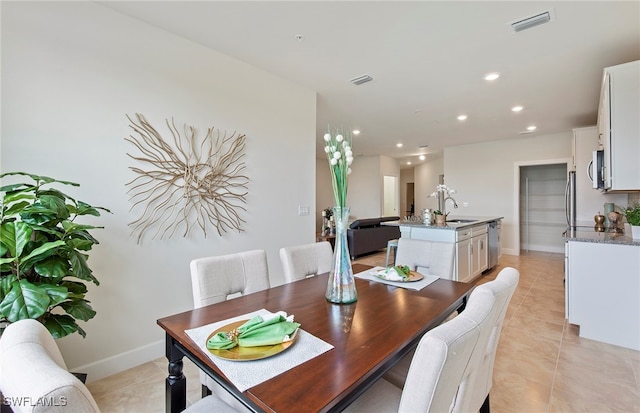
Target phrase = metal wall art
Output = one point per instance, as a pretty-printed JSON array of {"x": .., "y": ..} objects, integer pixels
[{"x": 192, "y": 182}]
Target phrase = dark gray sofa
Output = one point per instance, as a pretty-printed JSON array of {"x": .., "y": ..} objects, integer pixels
[{"x": 369, "y": 235}]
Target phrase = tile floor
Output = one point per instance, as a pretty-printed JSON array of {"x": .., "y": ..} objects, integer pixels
[{"x": 542, "y": 365}]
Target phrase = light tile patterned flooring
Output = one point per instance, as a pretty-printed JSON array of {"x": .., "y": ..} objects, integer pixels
[{"x": 542, "y": 365}]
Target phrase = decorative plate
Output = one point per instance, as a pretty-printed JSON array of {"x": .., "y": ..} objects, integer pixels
[
  {"x": 413, "y": 277},
  {"x": 239, "y": 353}
]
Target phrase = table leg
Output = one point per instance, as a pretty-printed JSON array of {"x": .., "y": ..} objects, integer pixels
[{"x": 176, "y": 383}]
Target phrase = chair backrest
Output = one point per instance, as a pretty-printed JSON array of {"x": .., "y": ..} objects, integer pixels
[
  {"x": 214, "y": 279},
  {"x": 435, "y": 258},
  {"x": 441, "y": 359},
  {"x": 479, "y": 376},
  {"x": 34, "y": 377},
  {"x": 302, "y": 261}
]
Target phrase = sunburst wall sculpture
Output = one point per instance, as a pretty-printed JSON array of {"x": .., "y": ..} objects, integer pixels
[{"x": 192, "y": 183}]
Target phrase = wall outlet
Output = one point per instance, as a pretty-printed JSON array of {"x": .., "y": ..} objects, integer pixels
[
  {"x": 465, "y": 204},
  {"x": 303, "y": 210}
]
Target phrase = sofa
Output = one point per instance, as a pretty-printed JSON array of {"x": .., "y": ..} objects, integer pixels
[{"x": 369, "y": 235}]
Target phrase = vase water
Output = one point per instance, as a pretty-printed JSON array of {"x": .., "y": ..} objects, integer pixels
[{"x": 341, "y": 288}]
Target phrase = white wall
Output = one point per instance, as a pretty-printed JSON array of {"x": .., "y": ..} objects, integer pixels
[
  {"x": 426, "y": 180},
  {"x": 70, "y": 73},
  {"x": 483, "y": 175}
]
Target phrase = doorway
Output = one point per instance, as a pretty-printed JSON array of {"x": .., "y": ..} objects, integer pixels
[
  {"x": 542, "y": 207},
  {"x": 390, "y": 205},
  {"x": 410, "y": 200}
]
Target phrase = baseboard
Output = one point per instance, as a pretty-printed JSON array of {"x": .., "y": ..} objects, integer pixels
[
  {"x": 121, "y": 362},
  {"x": 510, "y": 251}
]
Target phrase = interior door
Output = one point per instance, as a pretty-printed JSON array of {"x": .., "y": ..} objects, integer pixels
[{"x": 390, "y": 207}]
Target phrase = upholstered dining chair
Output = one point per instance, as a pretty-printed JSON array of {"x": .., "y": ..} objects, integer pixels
[
  {"x": 302, "y": 261},
  {"x": 438, "y": 368},
  {"x": 429, "y": 257},
  {"x": 473, "y": 392},
  {"x": 34, "y": 376},
  {"x": 219, "y": 278}
]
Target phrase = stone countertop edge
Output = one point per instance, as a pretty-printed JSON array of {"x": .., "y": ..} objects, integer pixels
[
  {"x": 588, "y": 234},
  {"x": 450, "y": 225}
]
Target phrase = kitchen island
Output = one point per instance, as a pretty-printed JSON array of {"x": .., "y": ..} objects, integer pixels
[
  {"x": 602, "y": 285},
  {"x": 477, "y": 240}
]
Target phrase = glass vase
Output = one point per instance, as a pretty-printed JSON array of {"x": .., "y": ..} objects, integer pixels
[{"x": 341, "y": 288}]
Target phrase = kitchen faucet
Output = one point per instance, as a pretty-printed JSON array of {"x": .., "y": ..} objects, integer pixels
[{"x": 444, "y": 204}]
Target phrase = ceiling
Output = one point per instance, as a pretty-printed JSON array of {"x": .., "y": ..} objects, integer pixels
[{"x": 427, "y": 60}]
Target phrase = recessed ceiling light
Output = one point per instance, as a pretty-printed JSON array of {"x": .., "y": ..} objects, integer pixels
[
  {"x": 462, "y": 117},
  {"x": 408, "y": 162},
  {"x": 517, "y": 108},
  {"x": 491, "y": 76},
  {"x": 531, "y": 128},
  {"x": 399, "y": 145},
  {"x": 356, "y": 132},
  {"x": 422, "y": 157}
]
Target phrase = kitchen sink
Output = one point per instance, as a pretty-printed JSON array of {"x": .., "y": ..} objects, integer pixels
[{"x": 461, "y": 221}]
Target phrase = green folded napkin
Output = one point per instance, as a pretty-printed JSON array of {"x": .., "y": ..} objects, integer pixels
[{"x": 256, "y": 332}]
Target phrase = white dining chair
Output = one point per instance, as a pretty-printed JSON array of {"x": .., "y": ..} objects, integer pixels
[
  {"x": 33, "y": 371},
  {"x": 303, "y": 261},
  {"x": 473, "y": 392},
  {"x": 219, "y": 278},
  {"x": 427, "y": 257},
  {"x": 438, "y": 369}
]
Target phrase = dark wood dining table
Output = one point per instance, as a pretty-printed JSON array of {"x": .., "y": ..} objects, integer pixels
[{"x": 369, "y": 337}]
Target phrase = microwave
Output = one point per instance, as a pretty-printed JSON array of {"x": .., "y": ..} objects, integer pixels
[{"x": 595, "y": 170}]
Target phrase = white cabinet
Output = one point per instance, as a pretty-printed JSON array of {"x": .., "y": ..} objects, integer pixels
[
  {"x": 619, "y": 126},
  {"x": 479, "y": 251},
  {"x": 472, "y": 246},
  {"x": 603, "y": 291},
  {"x": 464, "y": 247}
]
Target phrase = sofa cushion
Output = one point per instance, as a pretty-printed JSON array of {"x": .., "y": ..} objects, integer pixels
[
  {"x": 386, "y": 219},
  {"x": 364, "y": 223}
]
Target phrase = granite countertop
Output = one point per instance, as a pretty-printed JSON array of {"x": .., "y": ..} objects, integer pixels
[
  {"x": 475, "y": 220},
  {"x": 589, "y": 234}
]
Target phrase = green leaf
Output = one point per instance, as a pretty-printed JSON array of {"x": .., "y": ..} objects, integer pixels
[
  {"x": 79, "y": 267},
  {"x": 56, "y": 293},
  {"x": 39, "y": 178},
  {"x": 40, "y": 253},
  {"x": 5, "y": 284},
  {"x": 52, "y": 267},
  {"x": 14, "y": 236},
  {"x": 24, "y": 300},
  {"x": 38, "y": 214},
  {"x": 57, "y": 204},
  {"x": 75, "y": 288},
  {"x": 79, "y": 309},
  {"x": 60, "y": 325}
]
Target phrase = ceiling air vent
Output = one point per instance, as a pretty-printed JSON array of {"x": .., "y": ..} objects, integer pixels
[
  {"x": 533, "y": 21},
  {"x": 361, "y": 79}
]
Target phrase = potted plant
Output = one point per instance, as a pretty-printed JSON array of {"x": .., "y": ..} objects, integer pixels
[
  {"x": 43, "y": 264},
  {"x": 632, "y": 213},
  {"x": 440, "y": 218}
]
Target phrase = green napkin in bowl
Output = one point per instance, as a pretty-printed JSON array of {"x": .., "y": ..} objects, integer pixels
[{"x": 256, "y": 332}]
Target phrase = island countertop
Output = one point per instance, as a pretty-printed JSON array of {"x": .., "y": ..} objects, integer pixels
[
  {"x": 469, "y": 222},
  {"x": 589, "y": 234}
]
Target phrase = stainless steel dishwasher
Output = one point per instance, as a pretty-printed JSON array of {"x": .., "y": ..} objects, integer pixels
[{"x": 494, "y": 242}]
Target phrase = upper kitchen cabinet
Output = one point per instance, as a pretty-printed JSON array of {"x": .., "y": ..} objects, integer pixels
[{"x": 619, "y": 126}]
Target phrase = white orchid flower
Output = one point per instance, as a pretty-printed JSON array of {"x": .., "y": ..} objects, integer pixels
[
  {"x": 337, "y": 155},
  {"x": 333, "y": 161},
  {"x": 327, "y": 137},
  {"x": 339, "y": 138}
]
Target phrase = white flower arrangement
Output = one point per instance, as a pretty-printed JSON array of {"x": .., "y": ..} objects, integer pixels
[
  {"x": 340, "y": 156},
  {"x": 442, "y": 188}
]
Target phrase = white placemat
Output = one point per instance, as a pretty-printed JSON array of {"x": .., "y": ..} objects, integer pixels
[
  {"x": 416, "y": 285},
  {"x": 246, "y": 374}
]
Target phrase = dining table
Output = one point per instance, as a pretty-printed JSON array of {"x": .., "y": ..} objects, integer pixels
[{"x": 342, "y": 349}]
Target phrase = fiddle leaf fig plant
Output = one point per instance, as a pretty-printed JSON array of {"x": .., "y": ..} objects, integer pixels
[{"x": 43, "y": 260}]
